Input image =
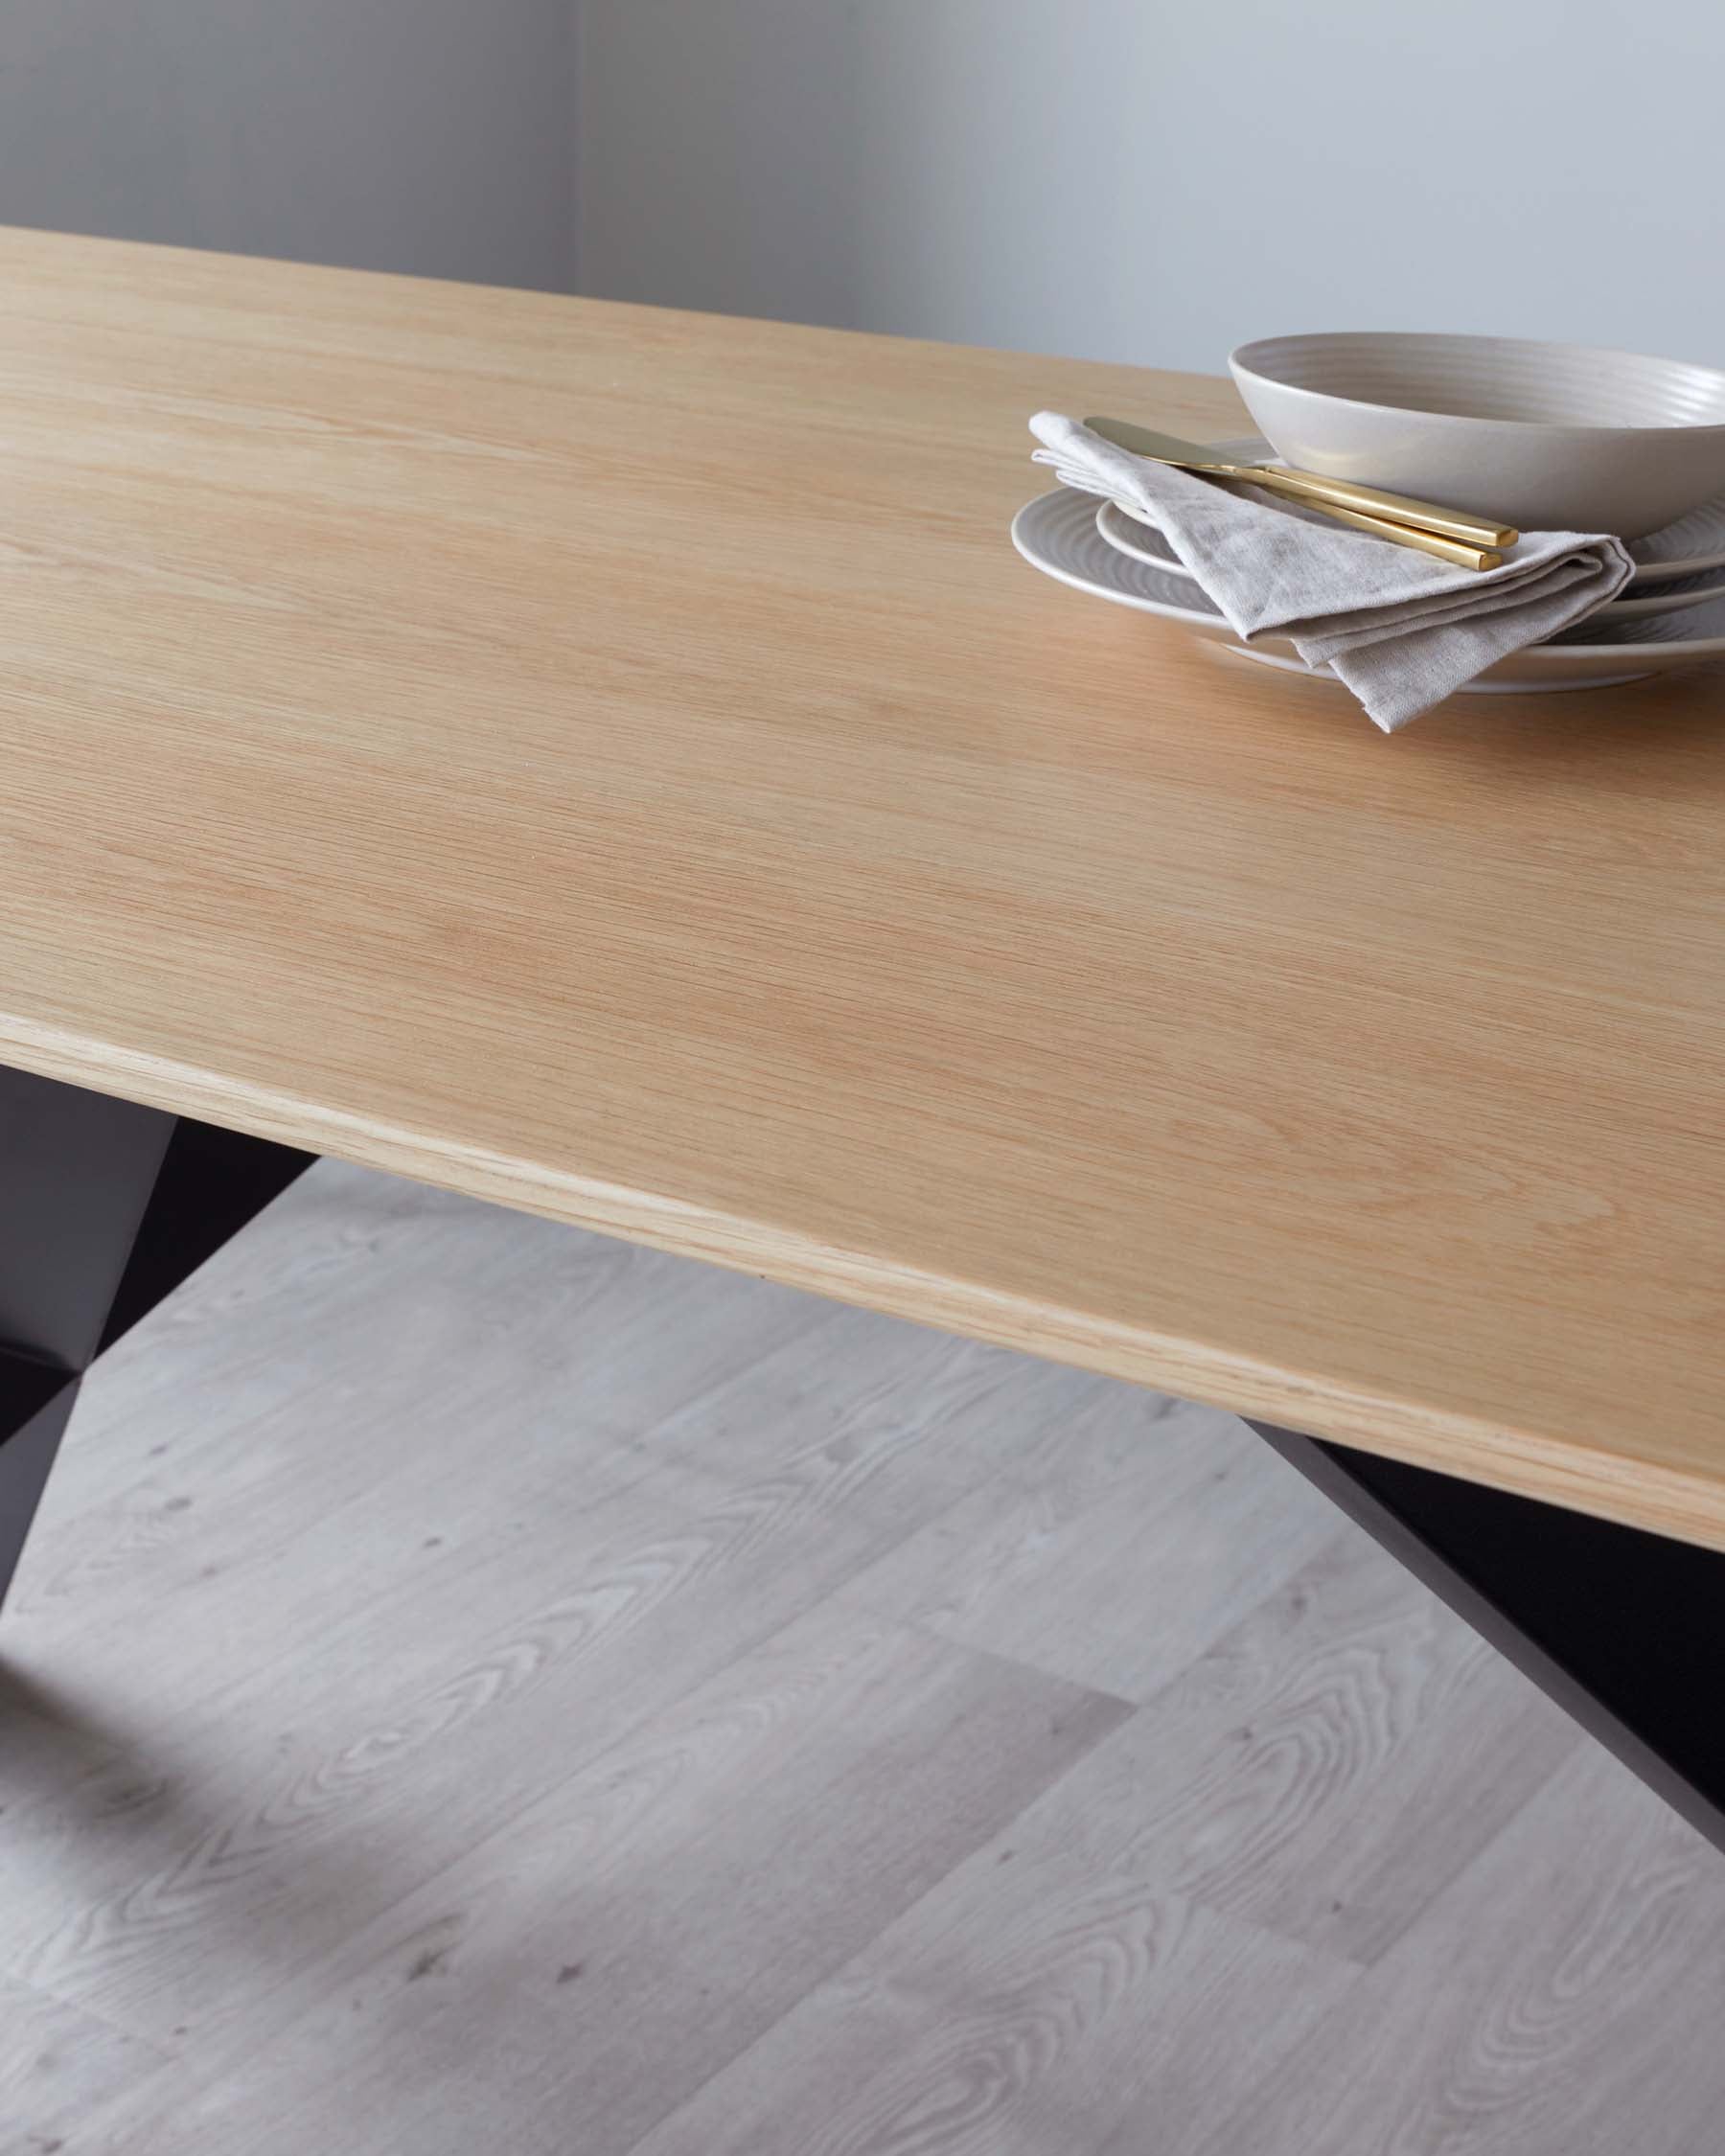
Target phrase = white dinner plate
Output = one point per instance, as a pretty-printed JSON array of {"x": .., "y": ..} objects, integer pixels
[
  {"x": 1696, "y": 542},
  {"x": 1683, "y": 549},
  {"x": 1121, "y": 529},
  {"x": 1057, "y": 533}
]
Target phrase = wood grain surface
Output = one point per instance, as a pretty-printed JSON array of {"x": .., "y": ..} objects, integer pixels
[{"x": 611, "y": 762}]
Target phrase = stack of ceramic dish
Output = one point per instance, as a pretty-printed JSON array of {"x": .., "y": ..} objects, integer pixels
[{"x": 1547, "y": 437}]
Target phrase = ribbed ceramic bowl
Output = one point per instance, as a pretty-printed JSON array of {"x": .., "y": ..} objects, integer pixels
[{"x": 1552, "y": 437}]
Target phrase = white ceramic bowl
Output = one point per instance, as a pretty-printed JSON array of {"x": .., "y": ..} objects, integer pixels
[{"x": 1552, "y": 437}]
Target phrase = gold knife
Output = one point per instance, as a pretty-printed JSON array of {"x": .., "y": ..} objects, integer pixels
[{"x": 1471, "y": 542}]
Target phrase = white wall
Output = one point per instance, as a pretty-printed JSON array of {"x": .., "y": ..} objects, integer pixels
[
  {"x": 426, "y": 136},
  {"x": 1157, "y": 179}
]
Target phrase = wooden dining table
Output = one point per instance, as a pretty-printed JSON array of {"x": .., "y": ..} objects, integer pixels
[{"x": 611, "y": 762}]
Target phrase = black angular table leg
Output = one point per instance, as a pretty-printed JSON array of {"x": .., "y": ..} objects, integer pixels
[
  {"x": 76, "y": 1170},
  {"x": 1623, "y": 1628},
  {"x": 35, "y": 1403},
  {"x": 104, "y": 1207},
  {"x": 211, "y": 1183}
]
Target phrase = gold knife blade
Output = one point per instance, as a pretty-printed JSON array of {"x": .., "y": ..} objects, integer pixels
[{"x": 1477, "y": 532}]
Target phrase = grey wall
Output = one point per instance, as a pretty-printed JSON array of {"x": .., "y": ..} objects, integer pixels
[
  {"x": 428, "y": 135},
  {"x": 1155, "y": 180}
]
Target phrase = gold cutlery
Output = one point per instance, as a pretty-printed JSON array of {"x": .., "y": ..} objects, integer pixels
[{"x": 1469, "y": 542}]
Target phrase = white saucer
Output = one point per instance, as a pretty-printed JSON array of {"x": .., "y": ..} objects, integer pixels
[
  {"x": 1057, "y": 533},
  {"x": 1122, "y": 529},
  {"x": 1692, "y": 544}
]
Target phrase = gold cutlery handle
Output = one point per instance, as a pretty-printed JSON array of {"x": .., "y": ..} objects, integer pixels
[
  {"x": 1398, "y": 509},
  {"x": 1315, "y": 487},
  {"x": 1460, "y": 552}
]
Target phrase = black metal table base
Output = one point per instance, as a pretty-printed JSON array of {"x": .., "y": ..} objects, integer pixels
[
  {"x": 105, "y": 1206},
  {"x": 35, "y": 1403},
  {"x": 1620, "y": 1626}
]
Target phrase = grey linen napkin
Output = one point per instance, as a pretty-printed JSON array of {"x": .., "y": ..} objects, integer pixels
[{"x": 1401, "y": 629}]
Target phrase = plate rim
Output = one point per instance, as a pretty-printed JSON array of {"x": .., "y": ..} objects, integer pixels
[{"x": 1560, "y": 656}]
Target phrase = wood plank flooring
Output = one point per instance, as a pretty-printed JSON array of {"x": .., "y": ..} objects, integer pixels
[{"x": 478, "y": 1686}]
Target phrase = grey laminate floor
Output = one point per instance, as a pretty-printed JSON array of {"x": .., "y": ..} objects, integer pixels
[{"x": 477, "y": 1688}]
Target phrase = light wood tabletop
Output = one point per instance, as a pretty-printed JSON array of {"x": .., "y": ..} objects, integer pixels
[{"x": 613, "y": 761}]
